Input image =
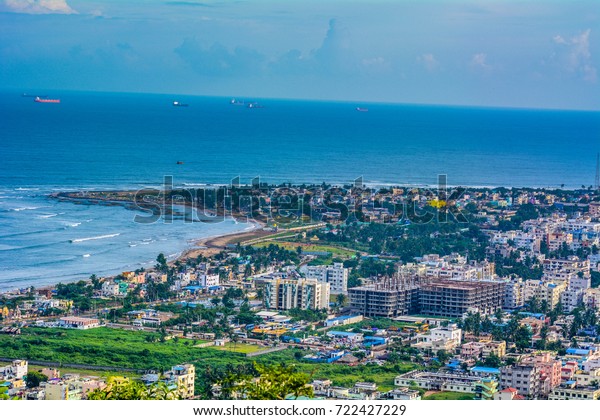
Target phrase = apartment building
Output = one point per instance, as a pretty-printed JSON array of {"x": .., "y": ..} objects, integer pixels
[
  {"x": 544, "y": 291},
  {"x": 444, "y": 381},
  {"x": 574, "y": 392},
  {"x": 526, "y": 379},
  {"x": 182, "y": 377},
  {"x": 513, "y": 294},
  {"x": 440, "y": 338},
  {"x": 389, "y": 298},
  {"x": 494, "y": 347},
  {"x": 549, "y": 367},
  {"x": 208, "y": 280},
  {"x": 454, "y": 298},
  {"x": 336, "y": 275},
  {"x": 571, "y": 265},
  {"x": 576, "y": 288},
  {"x": 284, "y": 294}
]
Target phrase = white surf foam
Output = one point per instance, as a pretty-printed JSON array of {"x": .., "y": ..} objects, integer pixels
[{"x": 94, "y": 238}]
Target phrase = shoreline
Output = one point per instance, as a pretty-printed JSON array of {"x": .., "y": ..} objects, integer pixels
[
  {"x": 212, "y": 245},
  {"x": 208, "y": 247}
]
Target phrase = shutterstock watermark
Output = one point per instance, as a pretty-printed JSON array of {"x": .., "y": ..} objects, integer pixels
[{"x": 298, "y": 205}]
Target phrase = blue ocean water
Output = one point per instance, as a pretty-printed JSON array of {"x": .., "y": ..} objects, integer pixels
[{"x": 107, "y": 140}]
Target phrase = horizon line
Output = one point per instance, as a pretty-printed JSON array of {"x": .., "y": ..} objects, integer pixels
[{"x": 296, "y": 99}]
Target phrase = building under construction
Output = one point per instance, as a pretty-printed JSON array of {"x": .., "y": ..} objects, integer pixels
[
  {"x": 452, "y": 298},
  {"x": 389, "y": 298},
  {"x": 411, "y": 295}
]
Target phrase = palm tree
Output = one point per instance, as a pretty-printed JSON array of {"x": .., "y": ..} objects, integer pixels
[{"x": 341, "y": 299}]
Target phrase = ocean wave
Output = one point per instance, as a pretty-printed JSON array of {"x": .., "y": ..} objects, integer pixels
[
  {"x": 26, "y": 189},
  {"x": 72, "y": 224},
  {"x": 7, "y": 247},
  {"x": 94, "y": 238},
  {"x": 47, "y": 216},
  {"x": 25, "y": 208}
]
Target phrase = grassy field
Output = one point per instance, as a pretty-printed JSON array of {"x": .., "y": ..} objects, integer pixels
[
  {"x": 109, "y": 347},
  {"x": 135, "y": 350},
  {"x": 239, "y": 347},
  {"x": 292, "y": 246},
  {"x": 449, "y": 396},
  {"x": 89, "y": 372},
  {"x": 138, "y": 350}
]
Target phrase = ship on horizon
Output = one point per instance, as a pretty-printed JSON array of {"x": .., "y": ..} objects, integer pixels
[
  {"x": 177, "y": 103},
  {"x": 46, "y": 101},
  {"x": 359, "y": 109}
]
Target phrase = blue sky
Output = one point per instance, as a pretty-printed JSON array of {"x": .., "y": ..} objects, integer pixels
[{"x": 488, "y": 53}]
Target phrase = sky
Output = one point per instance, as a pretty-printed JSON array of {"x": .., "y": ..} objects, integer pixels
[{"x": 508, "y": 53}]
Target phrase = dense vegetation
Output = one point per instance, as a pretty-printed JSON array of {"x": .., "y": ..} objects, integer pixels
[{"x": 137, "y": 350}]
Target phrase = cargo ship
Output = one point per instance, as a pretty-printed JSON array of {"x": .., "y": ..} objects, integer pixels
[
  {"x": 177, "y": 103},
  {"x": 46, "y": 101}
]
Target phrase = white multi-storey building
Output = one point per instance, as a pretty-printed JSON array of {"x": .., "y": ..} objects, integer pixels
[
  {"x": 284, "y": 294},
  {"x": 208, "y": 280},
  {"x": 336, "y": 275},
  {"x": 513, "y": 293}
]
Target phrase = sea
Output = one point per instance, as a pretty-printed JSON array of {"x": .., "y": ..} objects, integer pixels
[{"x": 99, "y": 141}]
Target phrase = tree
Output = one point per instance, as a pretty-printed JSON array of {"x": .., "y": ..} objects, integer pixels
[
  {"x": 499, "y": 315},
  {"x": 33, "y": 379},
  {"x": 492, "y": 360},
  {"x": 133, "y": 390},
  {"x": 341, "y": 299},
  {"x": 274, "y": 382},
  {"x": 95, "y": 282},
  {"x": 443, "y": 356},
  {"x": 522, "y": 337},
  {"x": 162, "y": 262}
]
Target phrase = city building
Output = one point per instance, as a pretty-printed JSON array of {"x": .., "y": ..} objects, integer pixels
[
  {"x": 388, "y": 298},
  {"x": 454, "y": 298},
  {"x": 285, "y": 294},
  {"x": 336, "y": 275},
  {"x": 513, "y": 294},
  {"x": 441, "y": 338},
  {"x": 574, "y": 392},
  {"x": 524, "y": 378},
  {"x": 484, "y": 388},
  {"x": 78, "y": 322},
  {"x": 181, "y": 378}
]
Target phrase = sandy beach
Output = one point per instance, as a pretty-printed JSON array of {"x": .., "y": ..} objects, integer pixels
[{"x": 213, "y": 245}]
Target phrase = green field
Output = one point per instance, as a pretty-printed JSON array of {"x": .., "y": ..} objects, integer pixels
[
  {"x": 447, "y": 395},
  {"x": 137, "y": 350},
  {"x": 292, "y": 246},
  {"x": 109, "y": 347},
  {"x": 88, "y": 372}
]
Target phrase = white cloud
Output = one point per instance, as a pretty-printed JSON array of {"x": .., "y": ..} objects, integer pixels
[
  {"x": 36, "y": 7},
  {"x": 574, "y": 57},
  {"x": 479, "y": 62},
  {"x": 428, "y": 61}
]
